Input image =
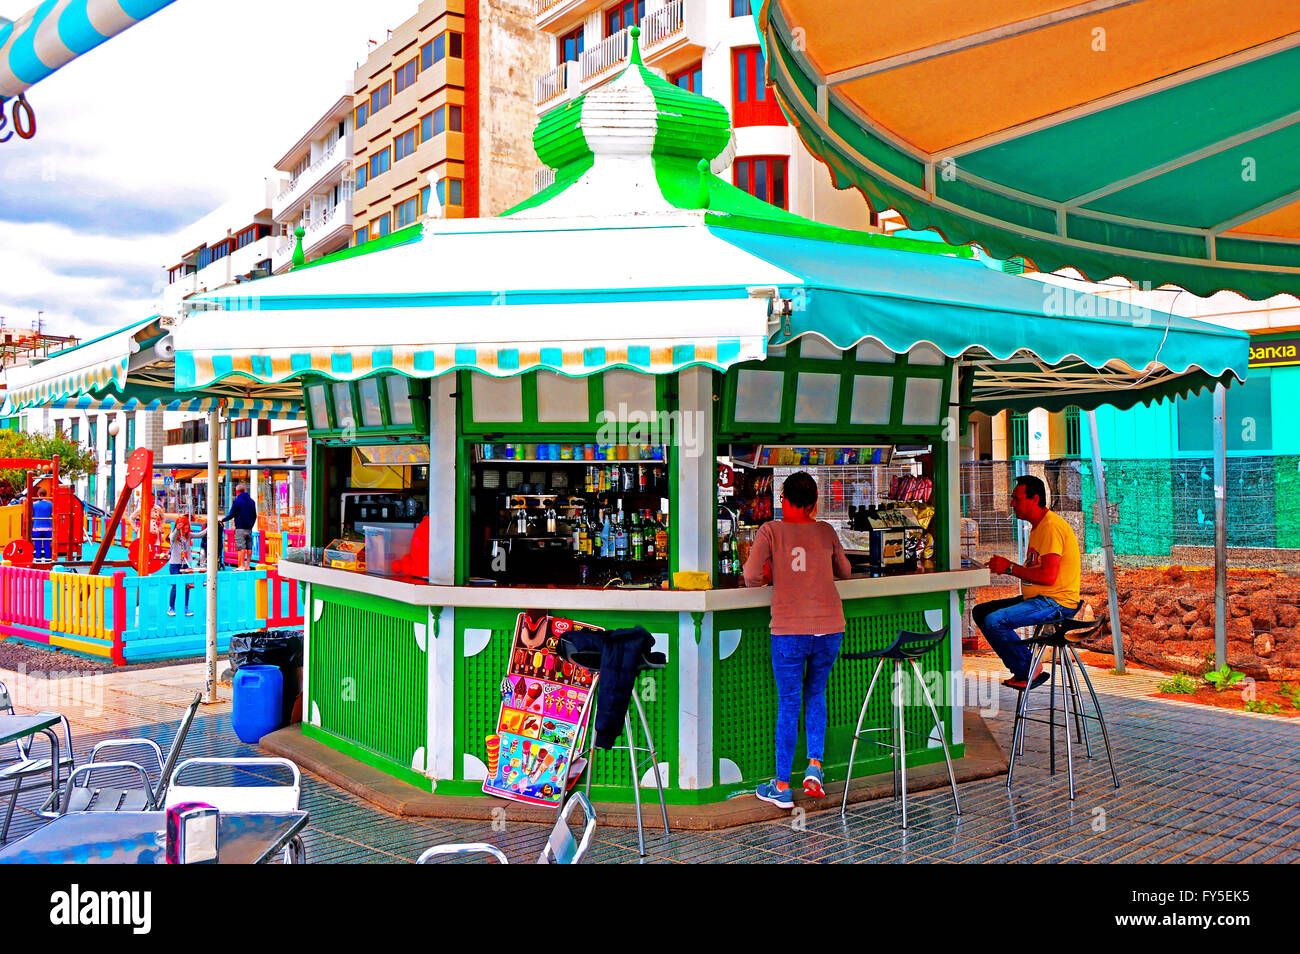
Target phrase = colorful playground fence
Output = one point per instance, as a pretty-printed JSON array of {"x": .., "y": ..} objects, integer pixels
[
  {"x": 125, "y": 618},
  {"x": 268, "y": 546}
]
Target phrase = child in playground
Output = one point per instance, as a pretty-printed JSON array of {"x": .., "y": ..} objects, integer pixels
[
  {"x": 181, "y": 541},
  {"x": 42, "y": 524}
]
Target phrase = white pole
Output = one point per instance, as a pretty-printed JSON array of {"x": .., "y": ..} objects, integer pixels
[
  {"x": 214, "y": 555},
  {"x": 1102, "y": 516},
  {"x": 1220, "y": 528}
]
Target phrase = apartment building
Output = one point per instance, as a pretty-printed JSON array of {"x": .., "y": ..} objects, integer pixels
[
  {"x": 244, "y": 252},
  {"x": 443, "y": 116},
  {"x": 709, "y": 47},
  {"x": 316, "y": 182}
]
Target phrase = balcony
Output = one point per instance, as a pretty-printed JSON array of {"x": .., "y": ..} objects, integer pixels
[
  {"x": 671, "y": 39},
  {"x": 560, "y": 16},
  {"x": 550, "y": 85},
  {"x": 331, "y": 162},
  {"x": 604, "y": 56}
]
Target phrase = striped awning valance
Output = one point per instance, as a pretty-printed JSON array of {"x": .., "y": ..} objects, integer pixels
[{"x": 234, "y": 407}]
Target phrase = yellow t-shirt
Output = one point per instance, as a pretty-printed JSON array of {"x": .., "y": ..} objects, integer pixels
[{"x": 1054, "y": 535}]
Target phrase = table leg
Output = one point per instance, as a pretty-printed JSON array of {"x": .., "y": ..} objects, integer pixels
[{"x": 54, "y": 768}]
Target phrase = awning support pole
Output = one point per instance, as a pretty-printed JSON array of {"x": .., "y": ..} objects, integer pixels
[
  {"x": 1220, "y": 528},
  {"x": 1101, "y": 514},
  {"x": 214, "y": 556}
]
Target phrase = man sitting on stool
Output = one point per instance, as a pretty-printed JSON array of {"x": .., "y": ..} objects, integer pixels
[{"x": 1050, "y": 588}]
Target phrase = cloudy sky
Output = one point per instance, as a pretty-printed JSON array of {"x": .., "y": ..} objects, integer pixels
[{"x": 160, "y": 139}]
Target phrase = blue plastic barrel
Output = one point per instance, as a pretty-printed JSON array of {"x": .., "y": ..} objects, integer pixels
[{"x": 258, "y": 707}]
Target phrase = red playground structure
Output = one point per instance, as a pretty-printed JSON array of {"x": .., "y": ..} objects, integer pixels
[{"x": 69, "y": 519}]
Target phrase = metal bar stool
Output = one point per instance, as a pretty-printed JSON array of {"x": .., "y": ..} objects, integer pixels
[
  {"x": 649, "y": 662},
  {"x": 906, "y": 647},
  {"x": 1061, "y": 636}
]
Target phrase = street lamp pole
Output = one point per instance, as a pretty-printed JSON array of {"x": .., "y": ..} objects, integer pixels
[{"x": 113, "y": 429}]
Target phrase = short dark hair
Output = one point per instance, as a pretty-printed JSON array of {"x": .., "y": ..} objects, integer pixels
[
  {"x": 800, "y": 489},
  {"x": 1033, "y": 488}
]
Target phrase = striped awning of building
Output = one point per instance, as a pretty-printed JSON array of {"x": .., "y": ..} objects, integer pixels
[{"x": 234, "y": 407}]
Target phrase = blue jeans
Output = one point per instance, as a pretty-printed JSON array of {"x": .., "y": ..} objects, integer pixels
[
  {"x": 802, "y": 666},
  {"x": 998, "y": 620},
  {"x": 174, "y": 569}
]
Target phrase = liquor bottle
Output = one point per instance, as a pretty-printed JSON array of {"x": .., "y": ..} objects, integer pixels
[
  {"x": 661, "y": 536},
  {"x": 620, "y": 534},
  {"x": 641, "y": 477},
  {"x": 637, "y": 538},
  {"x": 648, "y": 532},
  {"x": 606, "y": 538}
]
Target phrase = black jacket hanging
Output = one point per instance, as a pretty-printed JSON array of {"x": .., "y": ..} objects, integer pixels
[{"x": 618, "y": 655}]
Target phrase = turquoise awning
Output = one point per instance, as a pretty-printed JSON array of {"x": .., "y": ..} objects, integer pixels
[{"x": 1029, "y": 343}]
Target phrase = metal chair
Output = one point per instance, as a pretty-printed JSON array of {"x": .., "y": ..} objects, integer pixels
[
  {"x": 1061, "y": 635},
  {"x": 651, "y": 662},
  {"x": 23, "y": 768},
  {"x": 906, "y": 647},
  {"x": 561, "y": 847},
  {"x": 88, "y": 798},
  {"x": 243, "y": 798}
]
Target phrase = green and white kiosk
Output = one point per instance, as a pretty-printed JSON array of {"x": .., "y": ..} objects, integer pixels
[{"x": 594, "y": 351}]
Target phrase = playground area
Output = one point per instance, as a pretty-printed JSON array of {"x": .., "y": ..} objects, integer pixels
[{"x": 109, "y": 585}]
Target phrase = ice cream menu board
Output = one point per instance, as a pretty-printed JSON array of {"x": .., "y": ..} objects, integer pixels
[{"x": 543, "y": 714}]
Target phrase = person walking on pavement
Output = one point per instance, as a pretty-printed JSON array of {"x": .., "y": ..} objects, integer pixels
[{"x": 243, "y": 511}]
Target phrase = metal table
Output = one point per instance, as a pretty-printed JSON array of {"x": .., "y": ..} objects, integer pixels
[
  {"x": 14, "y": 727},
  {"x": 139, "y": 838}
]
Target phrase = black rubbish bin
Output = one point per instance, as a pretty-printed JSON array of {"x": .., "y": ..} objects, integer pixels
[{"x": 281, "y": 648}]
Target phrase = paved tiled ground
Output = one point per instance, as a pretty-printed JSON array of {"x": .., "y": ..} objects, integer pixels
[{"x": 1198, "y": 785}]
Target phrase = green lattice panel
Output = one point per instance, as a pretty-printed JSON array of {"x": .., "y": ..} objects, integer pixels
[
  {"x": 745, "y": 690},
  {"x": 369, "y": 677},
  {"x": 478, "y": 699}
]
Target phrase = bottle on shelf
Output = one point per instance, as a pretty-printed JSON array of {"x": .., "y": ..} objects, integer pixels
[
  {"x": 620, "y": 534},
  {"x": 661, "y": 536}
]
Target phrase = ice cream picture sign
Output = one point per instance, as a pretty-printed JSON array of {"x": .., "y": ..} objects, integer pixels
[{"x": 543, "y": 716}]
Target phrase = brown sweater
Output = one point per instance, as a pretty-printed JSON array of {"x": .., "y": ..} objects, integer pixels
[{"x": 806, "y": 560}]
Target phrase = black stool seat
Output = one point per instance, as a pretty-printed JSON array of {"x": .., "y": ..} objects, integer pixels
[
  {"x": 1060, "y": 632},
  {"x": 589, "y": 659},
  {"x": 906, "y": 645},
  {"x": 906, "y": 648}
]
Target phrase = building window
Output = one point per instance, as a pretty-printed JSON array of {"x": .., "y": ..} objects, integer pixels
[
  {"x": 623, "y": 15},
  {"x": 379, "y": 162},
  {"x": 439, "y": 121},
  {"x": 362, "y": 175},
  {"x": 130, "y": 436},
  {"x": 1073, "y": 443},
  {"x": 175, "y": 436},
  {"x": 363, "y": 114},
  {"x": 380, "y": 98},
  {"x": 740, "y": 8},
  {"x": 361, "y": 237},
  {"x": 571, "y": 45},
  {"x": 405, "y": 74},
  {"x": 691, "y": 78},
  {"x": 407, "y": 212},
  {"x": 1018, "y": 424},
  {"x": 762, "y": 177},
  {"x": 379, "y": 227},
  {"x": 440, "y": 47},
  {"x": 244, "y": 428},
  {"x": 74, "y": 430},
  {"x": 451, "y": 192},
  {"x": 752, "y": 103},
  {"x": 263, "y": 427},
  {"x": 92, "y": 436},
  {"x": 404, "y": 145},
  {"x": 424, "y": 199}
]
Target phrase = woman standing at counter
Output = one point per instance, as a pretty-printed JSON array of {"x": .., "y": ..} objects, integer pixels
[{"x": 802, "y": 558}]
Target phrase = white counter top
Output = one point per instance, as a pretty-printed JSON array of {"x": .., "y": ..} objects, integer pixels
[{"x": 689, "y": 601}]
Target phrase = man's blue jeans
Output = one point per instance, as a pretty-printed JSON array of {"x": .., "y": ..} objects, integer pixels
[
  {"x": 998, "y": 620},
  {"x": 802, "y": 666}
]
